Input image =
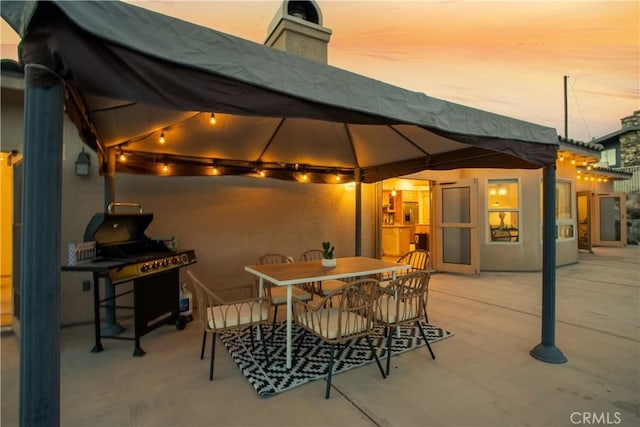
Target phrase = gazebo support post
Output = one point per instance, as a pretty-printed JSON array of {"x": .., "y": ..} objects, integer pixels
[
  {"x": 547, "y": 350},
  {"x": 358, "y": 177},
  {"x": 40, "y": 254}
]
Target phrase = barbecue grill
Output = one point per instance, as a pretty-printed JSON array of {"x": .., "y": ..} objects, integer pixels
[{"x": 125, "y": 254}]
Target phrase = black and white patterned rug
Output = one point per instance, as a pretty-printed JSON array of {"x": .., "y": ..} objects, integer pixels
[{"x": 311, "y": 361}]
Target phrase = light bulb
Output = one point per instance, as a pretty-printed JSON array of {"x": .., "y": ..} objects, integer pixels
[
  {"x": 337, "y": 177},
  {"x": 165, "y": 168},
  {"x": 215, "y": 170},
  {"x": 162, "y": 140},
  {"x": 123, "y": 158},
  {"x": 212, "y": 120}
]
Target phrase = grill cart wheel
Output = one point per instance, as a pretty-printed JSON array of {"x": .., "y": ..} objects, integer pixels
[{"x": 181, "y": 323}]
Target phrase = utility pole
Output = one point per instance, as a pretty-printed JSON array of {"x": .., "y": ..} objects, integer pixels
[{"x": 566, "y": 119}]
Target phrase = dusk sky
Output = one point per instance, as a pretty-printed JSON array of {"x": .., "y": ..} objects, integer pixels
[{"x": 506, "y": 57}]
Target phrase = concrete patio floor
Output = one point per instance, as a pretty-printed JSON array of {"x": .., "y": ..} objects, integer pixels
[{"x": 483, "y": 376}]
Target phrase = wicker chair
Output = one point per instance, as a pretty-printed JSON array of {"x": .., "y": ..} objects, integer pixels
[
  {"x": 401, "y": 302},
  {"x": 324, "y": 287},
  {"x": 419, "y": 260},
  {"x": 342, "y": 316},
  {"x": 279, "y": 293},
  {"x": 217, "y": 315}
]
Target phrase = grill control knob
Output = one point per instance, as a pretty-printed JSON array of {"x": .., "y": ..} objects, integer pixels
[
  {"x": 165, "y": 262},
  {"x": 145, "y": 267},
  {"x": 174, "y": 260},
  {"x": 155, "y": 265}
]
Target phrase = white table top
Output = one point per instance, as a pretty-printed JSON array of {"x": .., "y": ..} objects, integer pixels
[{"x": 311, "y": 271}]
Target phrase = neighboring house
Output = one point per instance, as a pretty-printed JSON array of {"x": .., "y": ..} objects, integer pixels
[{"x": 621, "y": 153}]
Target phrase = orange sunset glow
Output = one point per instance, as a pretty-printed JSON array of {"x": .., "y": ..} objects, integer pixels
[{"x": 504, "y": 57}]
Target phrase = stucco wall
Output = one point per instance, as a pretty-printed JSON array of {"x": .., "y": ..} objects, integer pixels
[{"x": 231, "y": 221}]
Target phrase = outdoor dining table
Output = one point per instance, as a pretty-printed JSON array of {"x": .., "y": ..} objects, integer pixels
[{"x": 297, "y": 273}]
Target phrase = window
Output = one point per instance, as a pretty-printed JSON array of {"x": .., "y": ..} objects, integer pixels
[
  {"x": 564, "y": 210},
  {"x": 503, "y": 210},
  {"x": 608, "y": 157}
]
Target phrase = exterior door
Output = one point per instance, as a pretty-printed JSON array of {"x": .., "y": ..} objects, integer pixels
[
  {"x": 457, "y": 248},
  {"x": 610, "y": 219},
  {"x": 6, "y": 248},
  {"x": 584, "y": 220}
]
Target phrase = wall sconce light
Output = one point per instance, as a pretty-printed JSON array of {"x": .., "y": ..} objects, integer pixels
[{"x": 83, "y": 164}]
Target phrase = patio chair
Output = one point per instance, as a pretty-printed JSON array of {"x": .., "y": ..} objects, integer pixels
[
  {"x": 341, "y": 316},
  {"x": 279, "y": 293},
  {"x": 419, "y": 260},
  {"x": 400, "y": 303},
  {"x": 217, "y": 315},
  {"x": 324, "y": 287}
]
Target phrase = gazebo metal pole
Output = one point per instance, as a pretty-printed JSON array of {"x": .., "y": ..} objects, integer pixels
[
  {"x": 547, "y": 350},
  {"x": 358, "y": 177},
  {"x": 110, "y": 326},
  {"x": 40, "y": 254}
]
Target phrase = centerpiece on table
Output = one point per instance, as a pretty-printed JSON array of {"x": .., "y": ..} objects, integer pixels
[{"x": 327, "y": 255}]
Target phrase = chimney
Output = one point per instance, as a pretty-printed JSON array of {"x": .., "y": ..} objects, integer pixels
[{"x": 297, "y": 28}]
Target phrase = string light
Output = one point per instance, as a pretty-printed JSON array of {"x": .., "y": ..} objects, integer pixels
[
  {"x": 162, "y": 140},
  {"x": 304, "y": 176},
  {"x": 262, "y": 173},
  {"x": 123, "y": 157},
  {"x": 212, "y": 120},
  {"x": 337, "y": 177},
  {"x": 165, "y": 168},
  {"x": 215, "y": 170}
]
